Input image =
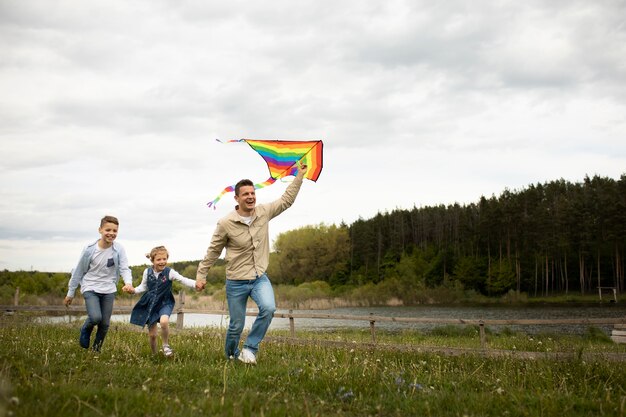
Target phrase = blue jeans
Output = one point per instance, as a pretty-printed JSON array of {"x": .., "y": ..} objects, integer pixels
[
  {"x": 99, "y": 310},
  {"x": 237, "y": 293}
]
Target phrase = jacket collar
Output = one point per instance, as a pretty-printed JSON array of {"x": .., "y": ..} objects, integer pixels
[{"x": 114, "y": 245}]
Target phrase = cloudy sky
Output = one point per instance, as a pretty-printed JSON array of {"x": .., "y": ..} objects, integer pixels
[{"x": 113, "y": 107}]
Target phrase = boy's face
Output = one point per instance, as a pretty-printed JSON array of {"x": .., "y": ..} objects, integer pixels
[
  {"x": 108, "y": 232},
  {"x": 160, "y": 261}
]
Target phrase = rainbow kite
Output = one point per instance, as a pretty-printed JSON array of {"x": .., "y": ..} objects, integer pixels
[{"x": 282, "y": 158}]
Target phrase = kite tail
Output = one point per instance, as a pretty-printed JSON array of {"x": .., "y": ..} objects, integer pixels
[
  {"x": 265, "y": 183},
  {"x": 231, "y": 188},
  {"x": 228, "y": 189},
  {"x": 231, "y": 140}
]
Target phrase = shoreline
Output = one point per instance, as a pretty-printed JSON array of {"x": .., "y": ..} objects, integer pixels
[{"x": 211, "y": 302}]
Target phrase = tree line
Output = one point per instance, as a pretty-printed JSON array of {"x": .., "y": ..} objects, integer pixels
[{"x": 548, "y": 238}]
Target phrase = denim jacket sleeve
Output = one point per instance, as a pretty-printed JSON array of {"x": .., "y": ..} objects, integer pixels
[
  {"x": 122, "y": 264},
  {"x": 79, "y": 271}
]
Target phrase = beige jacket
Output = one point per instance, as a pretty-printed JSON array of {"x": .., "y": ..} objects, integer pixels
[{"x": 247, "y": 247}]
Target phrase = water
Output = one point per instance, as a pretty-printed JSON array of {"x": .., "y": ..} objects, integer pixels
[
  {"x": 432, "y": 311},
  {"x": 465, "y": 312}
]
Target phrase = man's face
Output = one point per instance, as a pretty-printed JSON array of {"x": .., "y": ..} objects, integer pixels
[{"x": 246, "y": 198}]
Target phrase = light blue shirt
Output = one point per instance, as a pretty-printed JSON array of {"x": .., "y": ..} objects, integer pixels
[{"x": 109, "y": 283}]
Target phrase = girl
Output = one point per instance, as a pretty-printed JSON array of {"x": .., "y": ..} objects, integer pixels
[
  {"x": 98, "y": 270},
  {"x": 156, "y": 305}
]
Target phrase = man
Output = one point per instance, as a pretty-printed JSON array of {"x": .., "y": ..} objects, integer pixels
[{"x": 244, "y": 234}]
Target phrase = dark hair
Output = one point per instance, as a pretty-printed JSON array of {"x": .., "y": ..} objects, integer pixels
[
  {"x": 109, "y": 219},
  {"x": 242, "y": 183}
]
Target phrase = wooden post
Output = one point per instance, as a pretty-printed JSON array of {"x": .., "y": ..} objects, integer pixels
[
  {"x": 618, "y": 335},
  {"x": 292, "y": 325},
  {"x": 180, "y": 317},
  {"x": 16, "y": 301},
  {"x": 372, "y": 329},
  {"x": 483, "y": 339},
  {"x": 613, "y": 289}
]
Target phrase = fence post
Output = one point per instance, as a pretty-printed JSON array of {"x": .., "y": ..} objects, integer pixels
[
  {"x": 372, "y": 329},
  {"x": 16, "y": 297},
  {"x": 483, "y": 339},
  {"x": 180, "y": 317},
  {"x": 292, "y": 325}
]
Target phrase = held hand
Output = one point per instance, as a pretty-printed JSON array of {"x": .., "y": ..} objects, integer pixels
[
  {"x": 128, "y": 288},
  {"x": 200, "y": 285},
  {"x": 67, "y": 301}
]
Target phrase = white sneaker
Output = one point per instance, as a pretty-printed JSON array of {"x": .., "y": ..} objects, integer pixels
[
  {"x": 246, "y": 356},
  {"x": 167, "y": 351}
]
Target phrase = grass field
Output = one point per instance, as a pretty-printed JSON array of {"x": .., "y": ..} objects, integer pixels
[{"x": 43, "y": 372}]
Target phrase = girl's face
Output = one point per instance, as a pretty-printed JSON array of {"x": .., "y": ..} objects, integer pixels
[
  {"x": 160, "y": 261},
  {"x": 108, "y": 233}
]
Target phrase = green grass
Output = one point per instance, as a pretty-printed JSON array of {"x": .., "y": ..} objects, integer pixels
[
  {"x": 593, "y": 340},
  {"x": 43, "y": 372}
]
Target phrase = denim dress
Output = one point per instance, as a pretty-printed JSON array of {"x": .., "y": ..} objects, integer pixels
[{"x": 156, "y": 301}]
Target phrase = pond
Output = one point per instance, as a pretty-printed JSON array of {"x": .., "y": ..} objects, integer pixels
[{"x": 500, "y": 312}]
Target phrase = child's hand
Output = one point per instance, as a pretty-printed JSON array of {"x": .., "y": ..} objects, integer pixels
[
  {"x": 67, "y": 301},
  {"x": 128, "y": 288},
  {"x": 200, "y": 285}
]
